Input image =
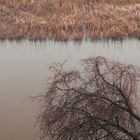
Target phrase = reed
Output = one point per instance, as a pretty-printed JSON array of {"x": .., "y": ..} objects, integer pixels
[{"x": 65, "y": 19}]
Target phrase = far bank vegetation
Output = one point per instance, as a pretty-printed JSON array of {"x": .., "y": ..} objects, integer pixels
[{"x": 69, "y": 19}]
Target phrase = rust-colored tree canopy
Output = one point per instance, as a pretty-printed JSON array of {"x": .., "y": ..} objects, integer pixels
[
  {"x": 96, "y": 104},
  {"x": 69, "y": 19}
]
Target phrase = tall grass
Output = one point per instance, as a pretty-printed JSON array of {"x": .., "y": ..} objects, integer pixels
[{"x": 64, "y": 19}]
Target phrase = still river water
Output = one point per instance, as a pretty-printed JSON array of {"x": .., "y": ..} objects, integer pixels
[{"x": 24, "y": 72}]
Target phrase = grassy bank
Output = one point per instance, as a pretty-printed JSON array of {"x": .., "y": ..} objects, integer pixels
[{"x": 64, "y": 19}]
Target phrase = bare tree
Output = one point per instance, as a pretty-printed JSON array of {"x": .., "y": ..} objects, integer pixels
[{"x": 92, "y": 105}]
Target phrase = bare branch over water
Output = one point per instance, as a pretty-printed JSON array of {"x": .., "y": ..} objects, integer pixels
[{"x": 94, "y": 105}]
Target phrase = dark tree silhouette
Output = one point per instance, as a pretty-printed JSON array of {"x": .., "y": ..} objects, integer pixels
[{"x": 95, "y": 104}]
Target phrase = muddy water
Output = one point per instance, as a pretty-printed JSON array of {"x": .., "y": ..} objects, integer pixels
[{"x": 24, "y": 72}]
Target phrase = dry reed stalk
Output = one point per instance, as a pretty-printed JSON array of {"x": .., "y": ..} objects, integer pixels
[{"x": 63, "y": 19}]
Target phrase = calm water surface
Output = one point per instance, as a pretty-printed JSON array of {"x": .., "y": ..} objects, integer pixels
[{"x": 24, "y": 72}]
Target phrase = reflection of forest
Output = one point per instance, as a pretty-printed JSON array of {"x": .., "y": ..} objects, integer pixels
[{"x": 62, "y": 19}]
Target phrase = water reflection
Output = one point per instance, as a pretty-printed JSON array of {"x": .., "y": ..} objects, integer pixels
[{"x": 24, "y": 70}]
